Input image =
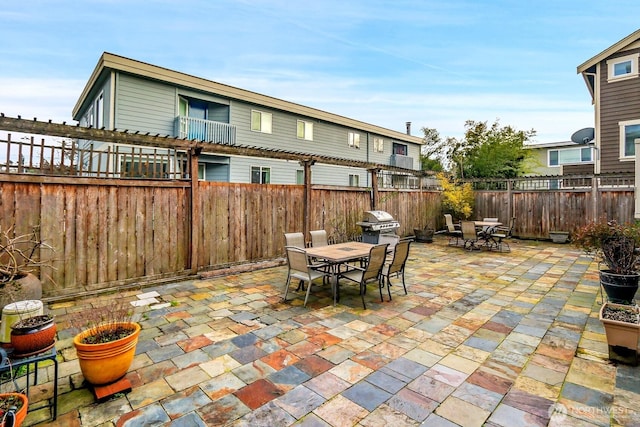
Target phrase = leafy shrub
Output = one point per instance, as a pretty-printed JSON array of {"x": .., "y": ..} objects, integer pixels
[{"x": 457, "y": 198}]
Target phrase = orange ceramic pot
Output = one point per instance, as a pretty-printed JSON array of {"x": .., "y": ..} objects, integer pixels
[
  {"x": 105, "y": 363},
  {"x": 20, "y": 415},
  {"x": 33, "y": 335}
]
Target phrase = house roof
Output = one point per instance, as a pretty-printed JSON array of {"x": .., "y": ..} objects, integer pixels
[
  {"x": 109, "y": 61},
  {"x": 619, "y": 46},
  {"x": 544, "y": 145}
]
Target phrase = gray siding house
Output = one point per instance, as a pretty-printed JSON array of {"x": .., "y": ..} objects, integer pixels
[
  {"x": 613, "y": 80},
  {"x": 125, "y": 94}
]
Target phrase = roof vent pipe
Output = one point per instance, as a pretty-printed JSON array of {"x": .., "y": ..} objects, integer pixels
[{"x": 408, "y": 128}]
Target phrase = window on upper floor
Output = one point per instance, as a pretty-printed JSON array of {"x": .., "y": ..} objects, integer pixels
[
  {"x": 378, "y": 145},
  {"x": 570, "y": 156},
  {"x": 261, "y": 121},
  {"x": 260, "y": 175},
  {"x": 400, "y": 149},
  {"x": 623, "y": 67},
  {"x": 629, "y": 132},
  {"x": 354, "y": 140},
  {"x": 305, "y": 130},
  {"x": 354, "y": 180}
]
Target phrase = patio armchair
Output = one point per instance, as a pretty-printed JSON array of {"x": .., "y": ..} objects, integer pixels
[
  {"x": 294, "y": 239},
  {"x": 301, "y": 268},
  {"x": 470, "y": 235},
  {"x": 501, "y": 233},
  {"x": 453, "y": 230},
  {"x": 319, "y": 238},
  {"x": 396, "y": 266},
  {"x": 371, "y": 272}
]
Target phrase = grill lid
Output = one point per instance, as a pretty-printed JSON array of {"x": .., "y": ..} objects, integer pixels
[{"x": 377, "y": 216}]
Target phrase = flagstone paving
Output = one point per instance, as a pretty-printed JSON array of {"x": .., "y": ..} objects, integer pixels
[{"x": 493, "y": 339}]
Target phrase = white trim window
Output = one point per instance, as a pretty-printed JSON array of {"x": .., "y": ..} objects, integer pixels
[
  {"x": 624, "y": 67},
  {"x": 260, "y": 175},
  {"x": 354, "y": 140},
  {"x": 569, "y": 156},
  {"x": 354, "y": 180},
  {"x": 261, "y": 121},
  {"x": 305, "y": 130},
  {"x": 378, "y": 145},
  {"x": 629, "y": 131},
  {"x": 299, "y": 176}
]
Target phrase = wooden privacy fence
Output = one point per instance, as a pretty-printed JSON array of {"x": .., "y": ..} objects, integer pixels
[
  {"x": 112, "y": 231},
  {"x": 108, "y": 233},
  {"x": 544, "y": 204}
]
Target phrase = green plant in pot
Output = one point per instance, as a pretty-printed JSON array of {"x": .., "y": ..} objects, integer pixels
[
  {"x": 107, "y": 340},
  {"x": 616, "y": 245}
]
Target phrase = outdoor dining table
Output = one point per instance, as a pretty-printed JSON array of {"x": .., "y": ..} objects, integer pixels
[
  {"x": 338, "y": 254},
  {"x": 489, "y": 241}
]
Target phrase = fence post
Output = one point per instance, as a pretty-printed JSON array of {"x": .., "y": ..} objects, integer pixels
[
  {"x": 193, "y": 248},
  {"x": 306, "y": 227},
  {"x": 374, "y": 188},
  {"x": 594, "y": 198},
  {"x": 510, "y": 199}
]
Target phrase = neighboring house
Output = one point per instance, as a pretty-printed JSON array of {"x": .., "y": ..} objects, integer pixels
[
  {"x": 613, "y": 79},
  {"x": 554, "y": 158},
  {"x": 127, "y": 94}
]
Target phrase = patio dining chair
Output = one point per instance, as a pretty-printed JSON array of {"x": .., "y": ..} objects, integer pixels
[
  {"x": 301, "y": 268},
  {"x": 318, "y": 238},
  {"x": 371, "y": 272},
  {"x": 453, "y": 230},
  {"x": 294, "y": 239},
  {"x": 469, "y": 235},
  {"x": 501, "y": 233},
  {"x": 396, "y": 266}
]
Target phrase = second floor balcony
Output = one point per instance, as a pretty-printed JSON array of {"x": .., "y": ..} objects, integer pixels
[
  {"x": 205, "y": 130},
  {"x": 401, "y": 161}
]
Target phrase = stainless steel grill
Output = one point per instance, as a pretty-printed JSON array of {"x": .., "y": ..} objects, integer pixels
[{"x": 376, "y": 222}]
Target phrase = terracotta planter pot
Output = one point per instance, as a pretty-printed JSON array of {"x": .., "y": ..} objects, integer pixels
[
  {"x": 107, "y": 362},
  {"x": 22, "y": 412},
  {"x": 30, "y": 338}
]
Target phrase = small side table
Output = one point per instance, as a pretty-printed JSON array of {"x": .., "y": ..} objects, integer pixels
[{"x": 8, "y": 362}]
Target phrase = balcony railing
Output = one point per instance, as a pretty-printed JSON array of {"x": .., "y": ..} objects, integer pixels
[
  {"x": 402, "y": 161},
  {"x": 205, "y": 130}
]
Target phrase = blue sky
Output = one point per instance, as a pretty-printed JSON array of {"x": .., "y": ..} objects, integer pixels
[{"x": 433, "y": 63}]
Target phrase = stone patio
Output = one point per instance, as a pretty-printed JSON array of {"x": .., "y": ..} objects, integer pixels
[{"x": 493, "y": 339}]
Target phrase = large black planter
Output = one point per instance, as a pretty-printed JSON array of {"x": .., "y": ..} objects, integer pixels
[
  {"x": 620, "y": 288},
  {"x": 424, "y": 235}
]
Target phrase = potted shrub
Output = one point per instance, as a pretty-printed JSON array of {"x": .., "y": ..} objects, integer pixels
[
  {"x": 615, "y": 245},
  {"x": 622, "y": 327},
  {"x": 13, "y": 409},
  {"x": 107, "y": 342},
  {"x": 425, "y": 234}
]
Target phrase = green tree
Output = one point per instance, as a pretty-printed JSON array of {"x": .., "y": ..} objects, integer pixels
[
  {"x": 431, "y": 154},
  {"x": 489, "y": 151}
]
